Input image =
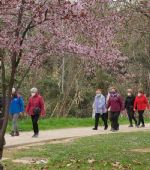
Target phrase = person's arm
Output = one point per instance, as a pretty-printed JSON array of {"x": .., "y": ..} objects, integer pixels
[
  {"x": 93, "y": 106},
  {"x": 108, "y": 103},
  {"x": 42, "y": 106},
  {"x": 146, "y": 102},
  {"x": 121, "y": 103},
  {"x": 125, "y": 104},
  {"x": 135, "y": 104},
  {"x": 21, "y": 104},
  {"x": 28, "y": 106}
]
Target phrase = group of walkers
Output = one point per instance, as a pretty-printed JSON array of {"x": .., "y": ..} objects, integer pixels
[
  {"x": 103, "y": 107},
  {"x": 35, "y": 108},
  {"x": 112, "y": 105}
]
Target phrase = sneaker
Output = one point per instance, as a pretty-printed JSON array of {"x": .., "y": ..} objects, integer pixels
[
  {"x": 130, "y": 126},
  {"x": 35, "y": 135},
  {"x": 106, "y": 127},
  {"x": 114, "y": 130},
  {"x": 142, "y": 126},
  {"x": 111, "y": 129},
  {"x": 16, "y": 134},
  {"x": 12, "y": 133},
  {"x": 94, "y": 128},
  {"x": 137, "y": 125}
]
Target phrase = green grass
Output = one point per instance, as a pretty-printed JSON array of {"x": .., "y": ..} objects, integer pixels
[
  {"x": 53, "y": 123},
  {"x": 58, "y": 123},
  {"x": 106, "y": 150}
]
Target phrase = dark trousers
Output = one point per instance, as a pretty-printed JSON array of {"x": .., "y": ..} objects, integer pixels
[
  {"x": 104, "y": 117},
  {"x": 141, "y": 118},
  {"x": 35, "y": 119},
  {"x": 114, "y": 117},
  {"x": 131, "y": 116}
]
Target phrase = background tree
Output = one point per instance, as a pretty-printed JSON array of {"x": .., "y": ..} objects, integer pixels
[{"x": 32, "y": 31}]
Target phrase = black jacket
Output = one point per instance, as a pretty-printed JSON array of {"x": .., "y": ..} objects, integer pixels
[{"x": 129, "y": 102}]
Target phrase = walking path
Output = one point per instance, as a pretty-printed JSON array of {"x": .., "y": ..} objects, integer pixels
[{"x": 25, "y": 138}]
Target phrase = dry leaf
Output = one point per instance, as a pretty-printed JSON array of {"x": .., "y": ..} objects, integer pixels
[
  {"x": 91, "y": 161},
  {"x": 68, "y": 165}
]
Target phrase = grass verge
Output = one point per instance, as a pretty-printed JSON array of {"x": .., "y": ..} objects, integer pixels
[
  {"x": 102, "y": 152},
  {"x": 58, "y": 123}
]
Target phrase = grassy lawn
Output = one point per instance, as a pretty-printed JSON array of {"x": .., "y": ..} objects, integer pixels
[
  {"x": 102, "y": 152},
  {"x": 57, "y": 123}
]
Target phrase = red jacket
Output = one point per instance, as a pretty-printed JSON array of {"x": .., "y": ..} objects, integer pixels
[
  {"x": 141, "y": 103},
  {"x": 35, "y": 101}
]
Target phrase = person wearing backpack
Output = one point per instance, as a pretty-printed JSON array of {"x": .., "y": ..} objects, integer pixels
[
  {"x": 35, "y": 109},
  {"x": 140, "y": 105},
  {"x": 129, "y": 106},
  {"x": 99, "y": 107},
  {"x": 15, "y": 109},
  {"x": 115, "y": 104}
]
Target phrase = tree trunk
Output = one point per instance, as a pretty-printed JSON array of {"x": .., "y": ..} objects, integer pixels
[{"x": 6, "y": 100}]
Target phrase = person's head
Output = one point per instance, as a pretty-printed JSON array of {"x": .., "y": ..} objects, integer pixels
[
  {"x": 34, "y": 91},
  {"x": 140, "y": 92},
  {"x": 129, "y": 92},
  {"x": 14, "y": 92},
  {"x": 113, "y": 90},
  {"x": 98, "y": 91}
]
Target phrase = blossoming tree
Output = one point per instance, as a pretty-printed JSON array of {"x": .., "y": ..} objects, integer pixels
[{"x": 31, "y": 30}]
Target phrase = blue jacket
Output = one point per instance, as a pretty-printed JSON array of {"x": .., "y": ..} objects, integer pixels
[{"x": 16, "y": 105}]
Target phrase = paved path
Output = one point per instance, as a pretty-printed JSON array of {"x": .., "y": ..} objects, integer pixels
[{"x": 25, "y": 138}]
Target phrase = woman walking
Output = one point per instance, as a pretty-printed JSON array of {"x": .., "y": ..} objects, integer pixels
[
  {"x": 35, "y": 109},
  {"x": 140, "y": 105},
  {"x": 129, "y": 106},
  {"x": 16, "y": 107},
  {"x": 115, "y": 104},
  {"x": 99, "y": 107}
]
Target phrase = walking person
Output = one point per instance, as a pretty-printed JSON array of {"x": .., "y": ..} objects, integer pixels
[
  {"x": 15, "y": 109},
  {"x": 35, "y": 109},
  {"x": 115, "y": 104},
  {"x": 129, "y": 106},
  {"x": 140, "y": 105},
  {"x": 99, "y": 107}
]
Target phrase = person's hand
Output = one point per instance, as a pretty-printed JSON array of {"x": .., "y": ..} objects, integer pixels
[
  {"x": 124, "y": 112},
  {"x": 134, "y": 110},
  {"x": 147, "y": 109},
  {"x": 21, "y": 114},
  {"x": 43, "y": 116}
]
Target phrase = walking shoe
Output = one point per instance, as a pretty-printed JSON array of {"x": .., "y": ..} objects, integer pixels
[
  {"x": 130, "y": 126},
  {"x": 94, "y": 128},
  {"x": 35, "y": 135},
  {"x": 12, "y": 133},
  {"x": 137, "y": 125},
  {"x": 114, "y": 130},
  {"x": 142, "y": 126},
  {"x": 106, "y": 127},
  {"x": 16, "y": 134},
  {"x": 111, "y": 129}
]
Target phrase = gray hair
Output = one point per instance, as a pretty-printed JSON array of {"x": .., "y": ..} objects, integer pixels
[{"x": 34, "y": 90}]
